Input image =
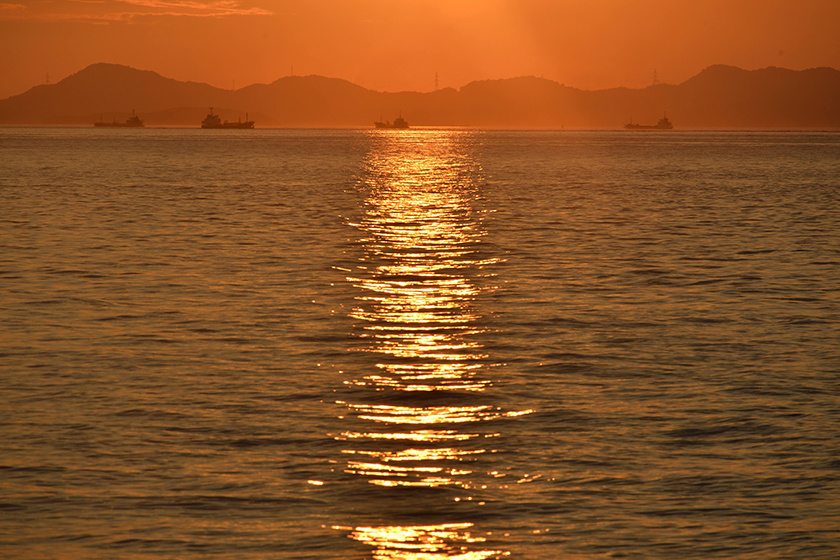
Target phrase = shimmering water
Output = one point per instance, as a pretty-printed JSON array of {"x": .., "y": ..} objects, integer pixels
[{"x": 419, "y": 345}]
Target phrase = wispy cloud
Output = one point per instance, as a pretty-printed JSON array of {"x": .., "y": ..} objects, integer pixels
[
  {"x": 106, "y": 11},
  {"x": 219, "y": 8}
]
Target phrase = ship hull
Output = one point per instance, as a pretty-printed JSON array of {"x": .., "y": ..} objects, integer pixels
[
  {"x": 117, "y": 125},
  {"x": 647, "y": 127},
  {"x": 239, "y": 125}
]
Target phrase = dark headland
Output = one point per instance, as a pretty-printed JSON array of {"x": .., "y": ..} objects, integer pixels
[{"x": 719, "y": 97}]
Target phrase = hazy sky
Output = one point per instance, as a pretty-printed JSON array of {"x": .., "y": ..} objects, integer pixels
[{"x": 395, "y": 45}]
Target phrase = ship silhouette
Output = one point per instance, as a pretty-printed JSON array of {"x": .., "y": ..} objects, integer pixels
[
  {"x": 399, "y": 122},
  {"x": 131, "y": 122},
  {"x": 212, "y": 120},
  {"x": 663, "y": 124}
]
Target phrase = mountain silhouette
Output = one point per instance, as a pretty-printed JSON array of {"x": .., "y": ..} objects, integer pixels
[{"x": 719, "y": 97}]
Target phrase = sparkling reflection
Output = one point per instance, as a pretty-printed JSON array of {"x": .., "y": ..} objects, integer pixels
[
  {"x": 418, "y": 412},
  {"x": 432, "y": 542}
]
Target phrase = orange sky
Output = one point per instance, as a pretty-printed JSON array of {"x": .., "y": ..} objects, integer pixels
[{"x": 395, "y": 45}]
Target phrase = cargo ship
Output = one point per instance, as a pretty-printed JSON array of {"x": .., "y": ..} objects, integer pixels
[
  {"x": 212, "y": 120},
  {"x": 663, "y": 124},
  {"x": 399, "y": 122},
  {"x": 131, "y": 122}
]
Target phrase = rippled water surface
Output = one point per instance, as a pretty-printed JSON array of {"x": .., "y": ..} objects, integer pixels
[{"x": 419, "y": 345}]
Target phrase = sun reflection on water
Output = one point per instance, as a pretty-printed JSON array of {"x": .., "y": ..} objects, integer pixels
[
  {"x": 429, "y": 542},
  {"x": 417, "y": 283}
]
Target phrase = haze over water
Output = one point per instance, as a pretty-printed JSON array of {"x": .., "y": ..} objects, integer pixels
[{"x": 423, "y": 344}]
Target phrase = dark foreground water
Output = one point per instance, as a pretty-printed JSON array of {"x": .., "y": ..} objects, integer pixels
[{"x": 419, "y": 345}]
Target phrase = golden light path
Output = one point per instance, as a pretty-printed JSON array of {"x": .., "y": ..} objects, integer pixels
[
  {"x": 423, "y": 542},
  {"x": 417, "y": 283}
]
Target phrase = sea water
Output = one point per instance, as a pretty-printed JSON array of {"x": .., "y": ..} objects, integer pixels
[{"x": 419, "y": 345}]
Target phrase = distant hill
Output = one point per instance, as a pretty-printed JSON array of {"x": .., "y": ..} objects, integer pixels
[{"x": 718, "y": 97}]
